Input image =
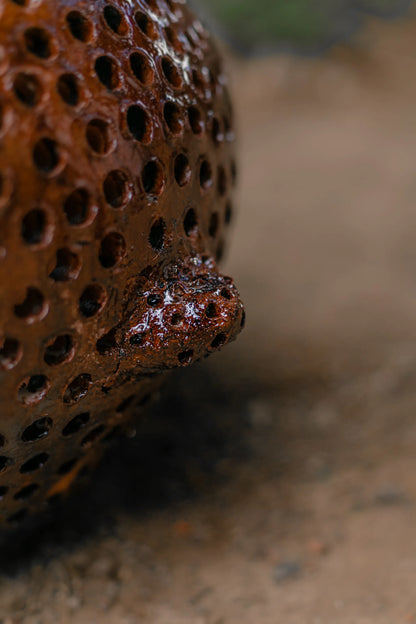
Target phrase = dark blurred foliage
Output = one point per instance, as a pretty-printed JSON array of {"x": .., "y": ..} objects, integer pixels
[{"x": 303, "y": 25}]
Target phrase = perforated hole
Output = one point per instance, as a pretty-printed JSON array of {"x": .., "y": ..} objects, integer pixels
[
  {"x": 173, "y": 118},
  {"x": 157, "y": 235},
  {"x": 219, "y": 341},
  {"x": 10, "y": 354},
  {"x": 17, "y": 517},
  {"x": 34, "y": 227},
  {"x": 116, "y": 189},
  {"x": 98, "y": 136},
  {"x": 222, "y": 181},
  {"x": 176, "y": 319},
  {"x": 153, "y": 178},
  {"x": 107, "y": 343},
  {"x": 243, "y": 320},
  {"x": 77, "y": 208},
  {"x": 79, "y": 26},
  {"x": 93, "y": 435},
  {"x": 154, "y": 301},
  {"x": 125, "y": 404},
  {"x": 145, "y": 400},
  {"x": 182, "y": 170},
  {"x": 146, "y": 25},
  {"x": 205, "y": 175},
  {"x": 114, "y": 20},
  {"x": 112, "y": 250},
  {"x": 213, "y": 74},
  {"x": 60, "y": 350},
  {"x": 5, "y": 462},
  {"x": 38, "y": 42},
  {"x": 27, "y": 89},
  {"x": 190, "y": 223},
  {"x": 234, "y": 172},
  {"x": 34, "y": 463},
  {"x": 107, "y": 72},
  {"x": 67, "y": 267},
  {"x": 185, "y": 357},
  {"x": 33, "y": 389},
  {"x": 139, "y": 124},
  {"x": 68, "y": 89},
  {"x": 92, "y": 300},
  {"x": 228, "y": 213},
  {"x": 34, "y": 307},
  {"x": 76, "y": 424},
  {"x": 37, "y": 430},
  {"x": 46, "y": 155},
  {"x": 200, "y": 84},
  {"x": 26, "y": 492},
  {"x": 3, "y": 491},
  {"x": 225, "y": 294},
  {"x": 214, "y": 225},
  {"x": 196, "y": 120},
  {"x": 67, "y": 466},
  {"x": 137, "y": 340},
  {"x": 211, "y": 311},
  {"x": 77, "y": 389},
  {"x": 141, "y": 68},
  {"x": 171, "y": 72},
  {"x": 217, "y": 133},
  {"x": 21, "y": 3}
]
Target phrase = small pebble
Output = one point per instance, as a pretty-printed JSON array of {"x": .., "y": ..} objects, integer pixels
[
  {"x": 286, "y": 570},
  {"x": 390, "y": 496},
  {"x": 317, "y": 547}
]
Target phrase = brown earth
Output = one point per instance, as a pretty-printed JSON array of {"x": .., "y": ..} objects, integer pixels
[{"x": 276, "y": 482}]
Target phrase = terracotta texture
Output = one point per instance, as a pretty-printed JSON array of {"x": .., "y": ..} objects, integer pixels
[{"x": 116, "y": 177}]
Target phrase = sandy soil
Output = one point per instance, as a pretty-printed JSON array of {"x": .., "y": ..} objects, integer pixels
[{"x": 276, "y": 482}]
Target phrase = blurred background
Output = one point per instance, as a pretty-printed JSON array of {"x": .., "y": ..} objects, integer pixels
[
  {"x": 276, "y": 481},
  {"x": 300, "y": 25}
]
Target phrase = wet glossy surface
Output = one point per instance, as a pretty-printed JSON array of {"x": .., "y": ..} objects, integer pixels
[{"x": 116, "y": 180}]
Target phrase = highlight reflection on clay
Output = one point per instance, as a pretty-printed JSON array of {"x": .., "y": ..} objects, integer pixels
[{"x": 116, "y": 179}]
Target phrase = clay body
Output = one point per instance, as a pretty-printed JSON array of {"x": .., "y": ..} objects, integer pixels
[{"x": 116, "y": 177}]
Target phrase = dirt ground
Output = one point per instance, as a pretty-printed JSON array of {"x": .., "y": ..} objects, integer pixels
[{"x": 275, "y": 483}]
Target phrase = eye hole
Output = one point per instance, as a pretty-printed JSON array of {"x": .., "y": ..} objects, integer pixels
[
  {"x": 114, "y": 20},
  {"x": 38, "y": 42},
  {"x": 79, "y": 26},
  {"x": 157, "y": 235}
]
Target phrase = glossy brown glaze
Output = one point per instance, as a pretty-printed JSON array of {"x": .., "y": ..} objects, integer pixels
[{"x": 116, "y": 176}]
